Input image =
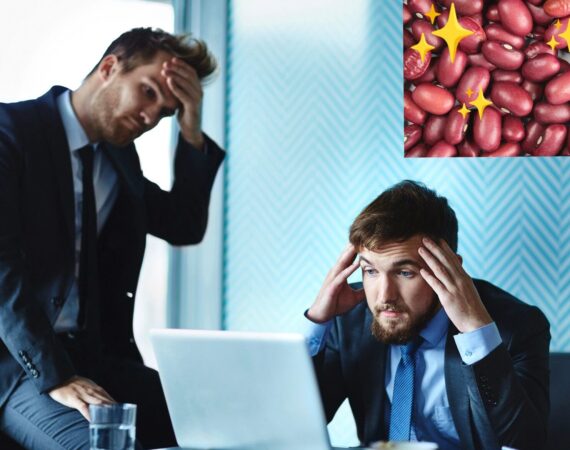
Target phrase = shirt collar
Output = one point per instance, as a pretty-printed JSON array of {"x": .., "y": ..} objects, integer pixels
[
  {"x": 74, "y": 132},
  {"x": 436, "y": 328}
]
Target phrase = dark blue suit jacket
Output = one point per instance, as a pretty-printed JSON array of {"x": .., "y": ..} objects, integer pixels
[
  {"x": 37, "y": 235},
  {"x": 501, "y": 400}
]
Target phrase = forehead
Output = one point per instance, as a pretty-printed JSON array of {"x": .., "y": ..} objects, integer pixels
[{"x": 392, "y": 252}]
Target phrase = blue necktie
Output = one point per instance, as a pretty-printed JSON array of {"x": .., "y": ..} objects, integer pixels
[{"x": 403, "y": 396}]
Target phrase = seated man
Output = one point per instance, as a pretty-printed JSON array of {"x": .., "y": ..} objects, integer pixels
[{"x": 431, "y": 355}]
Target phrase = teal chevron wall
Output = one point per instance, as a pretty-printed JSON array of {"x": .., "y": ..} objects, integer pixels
[{"x": 315, "y": 118}]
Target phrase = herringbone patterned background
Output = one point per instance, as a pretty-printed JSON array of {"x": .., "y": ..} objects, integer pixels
[{"x": 315, "y": 119}]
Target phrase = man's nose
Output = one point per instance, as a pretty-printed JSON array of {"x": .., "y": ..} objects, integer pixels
[
  {"x": 151, "y": 116},
  {"x": 386, "y": 290}
]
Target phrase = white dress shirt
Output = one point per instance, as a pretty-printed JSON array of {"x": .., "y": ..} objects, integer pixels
[{"x": 105, "y": 183}]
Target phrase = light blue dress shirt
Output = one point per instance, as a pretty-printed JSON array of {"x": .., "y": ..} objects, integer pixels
[
  {"x": 432, "y": 419},
  {"x": 105, "y": 183}
]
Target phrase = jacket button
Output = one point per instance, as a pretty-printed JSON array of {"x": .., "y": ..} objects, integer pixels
[
  {"x": 35, "y": 373},
  {"x": 129, "y": 294},
  {"x": 57, "y": 301}
]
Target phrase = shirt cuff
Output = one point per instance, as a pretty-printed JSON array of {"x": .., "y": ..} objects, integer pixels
[
  {"x": 477, "y": 344},
  {"x": 315, "y": 334}
]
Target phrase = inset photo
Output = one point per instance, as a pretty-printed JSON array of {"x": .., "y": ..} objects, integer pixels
[{"x": 486, "y": 78}]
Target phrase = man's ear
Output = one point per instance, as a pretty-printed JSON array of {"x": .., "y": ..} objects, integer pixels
[
  {"x": 460, "y": 258},
  {"x": 108, "y": 66}
]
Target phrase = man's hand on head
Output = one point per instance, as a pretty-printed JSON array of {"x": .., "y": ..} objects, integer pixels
[
  {"x": 336, "y": 296},
  {"x": 79, "y": 393},
  {"x": 185, "y": 85},
  {"x": 453, "y": 286}
]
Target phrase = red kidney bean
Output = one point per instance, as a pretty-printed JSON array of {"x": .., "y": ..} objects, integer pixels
[
  {"x": 535, "y": 2},
  {"x": 493, "y": 14},
  {"x": 472, "y": 43},
  {"x": 414, "y": 67},
  {"x": 510, "y": 96},
  {"x": 406, "y": 14},
  {"x": 448, "y": 73},
  {"x": 442, "y": 149},
  {"x": 534, "y": 131},
  {"x": 539, "y": 16},
  {"x": 412, "y": 112},
  {"x": 557, "y": 90},
  {"x": 507, "y": 149},
  {"x": 537, "y": 32},
  {"x": 553, "y": 30},
  {"x": 465, "y": 7},
  {"x": 418, "y": 151},
  {"x": 564, "y": 65},
  {"x": 474, "y": 78},
  {"x": 496, "y": 32},
  {"x": 487, "y": 131},
  {"x": 502, "y": 55},
  {"x": 541, "y": 68},
  {"x": 479, "y": 60},
  {"x": 420, "y": 26},
  {"x": 419, "y": 7},
  {"x": 507, "y": 75},
  {"x": 534, "y": 89},
  {"x": 552, "y": 141},
  {"x": 468, "y": 148},
  {"x": 513, "y": 129},
  {"x": 408, "y": 39},
  {"x": 455, "y": 127},
  {"x": 557, "y": 8},
  {"x": 538, "y": 48},
  {"x": 515, "y": 16},
  {"x": 433, "y": 99},
  {"x": 429, "y": 74},
  {"x": 412, "y": 135},
  {"x": 548, "y": 113},
  {"x": 434, "y": 129}
]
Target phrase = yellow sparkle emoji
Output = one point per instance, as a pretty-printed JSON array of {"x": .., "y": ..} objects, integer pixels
[
  {"x": 469, "y": 92},
  {"x": 557, "y": 24},
  {"x": 481, "y": 103},
  {"x": 463, "y": 111},
  {"x": 422, "y": 47},
  {"x": 553, "y": 43},
  {"x": 452, "y": 33},
  {"x": 566, "y": 34},
  {"x": 432, "y": 14}
]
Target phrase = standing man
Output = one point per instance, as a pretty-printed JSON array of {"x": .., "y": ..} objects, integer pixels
[
  {"x": 75, "y": 210},
  {"x": 423, "y": 352}
]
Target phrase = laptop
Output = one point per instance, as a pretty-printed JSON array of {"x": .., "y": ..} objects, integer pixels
[{"x": 240, "y": 390}]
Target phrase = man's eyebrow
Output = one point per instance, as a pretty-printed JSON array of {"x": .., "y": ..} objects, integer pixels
[{"x": 396, "y": 264}]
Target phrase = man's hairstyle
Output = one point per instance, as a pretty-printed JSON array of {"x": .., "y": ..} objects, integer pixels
[
  {"x": 406, "y": 209},
  {"x": 139, "y": 45}
]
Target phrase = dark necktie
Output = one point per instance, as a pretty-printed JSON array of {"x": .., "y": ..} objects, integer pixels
[
  {"x": 403, "y": 396},
  {"x": 88, "y": 283}
]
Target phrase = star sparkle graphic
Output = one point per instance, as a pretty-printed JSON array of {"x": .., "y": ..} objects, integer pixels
[
  {"x": 481, "y": 103},
  {"x": 464, "y": 111},
  {"x": 432, "y": 14},
  {"x": 452, "y": 33},
  {"x": 566, "y": 35},
  {"x": 469, "y": 92},
  {"x": 553, "y": 43},
  {"x": 422, "y": 47},
  {"x": 557, "y": 24}
]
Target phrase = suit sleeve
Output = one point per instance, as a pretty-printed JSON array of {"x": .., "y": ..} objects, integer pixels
[
  {"x": 328, "y": 368},
  {"x": 181, "y": 215},
  {"x": 509, "y": 388},
  {"x": 24, "y": 327}
]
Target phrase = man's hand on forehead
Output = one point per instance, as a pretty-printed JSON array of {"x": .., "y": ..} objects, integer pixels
[
  {"x": 453, "y": 286},
  {"x": 183, "y": 82}
]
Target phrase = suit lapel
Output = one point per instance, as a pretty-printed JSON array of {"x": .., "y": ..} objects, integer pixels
[
  {"x": 60, "y": 156},
  {"x": 373, "y": 372},
  {"x": 457, "y": 391}
]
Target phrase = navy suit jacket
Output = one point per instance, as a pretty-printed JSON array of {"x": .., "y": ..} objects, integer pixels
[
  {"x": 501, "y": 400},
  {"x": 37, "y": 235}
]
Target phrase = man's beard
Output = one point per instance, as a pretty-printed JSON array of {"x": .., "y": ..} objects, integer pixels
[{"x": 399, "y": 334}]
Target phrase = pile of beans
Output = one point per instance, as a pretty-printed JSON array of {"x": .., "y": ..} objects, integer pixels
[{"x": 508, "y": 58}]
